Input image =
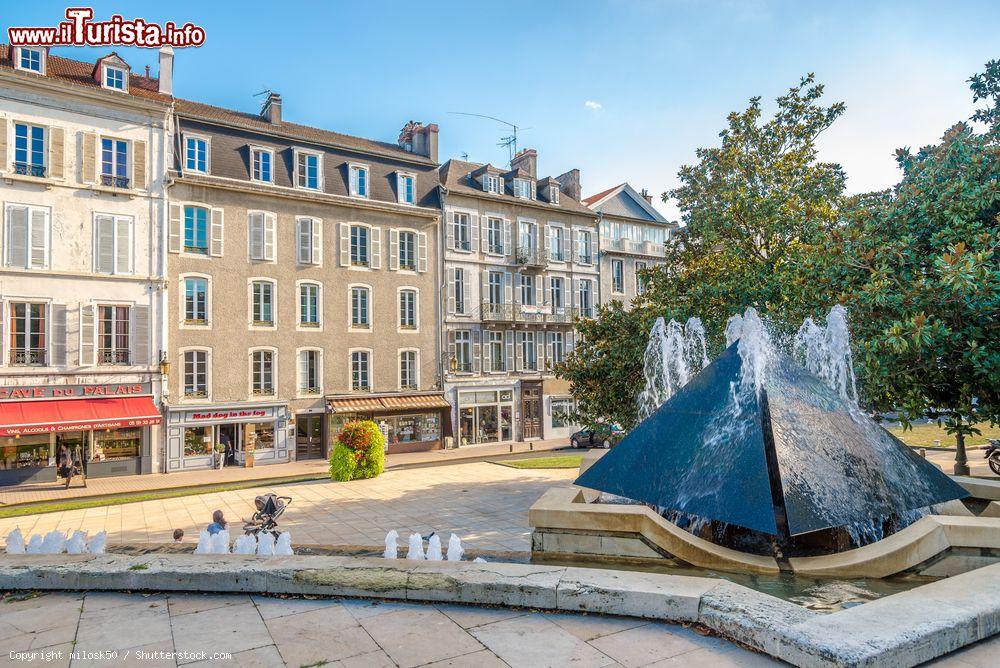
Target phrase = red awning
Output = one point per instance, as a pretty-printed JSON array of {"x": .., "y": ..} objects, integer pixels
[{"x": 42, "y": 417}]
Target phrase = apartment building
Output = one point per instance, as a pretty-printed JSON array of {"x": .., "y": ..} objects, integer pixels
[
  {"x": 303, "y": 271},
  {"x": 82, "y": 192},
  {"x": 520, "y": 260},
  {"x": 632, "y": 238}
]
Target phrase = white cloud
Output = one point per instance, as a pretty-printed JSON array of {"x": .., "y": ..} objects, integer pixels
[{"x": 590, "y": 104}]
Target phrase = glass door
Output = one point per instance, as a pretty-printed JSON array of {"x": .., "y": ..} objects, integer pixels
[{"x": 309, "y": 437}]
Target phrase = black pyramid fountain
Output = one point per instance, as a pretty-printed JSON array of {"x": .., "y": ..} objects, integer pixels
[{"x": 788, "y": 457}]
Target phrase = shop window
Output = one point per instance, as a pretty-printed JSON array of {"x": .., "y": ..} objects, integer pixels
[
  {"x": 562, "y": 410},
  {"x": 258, "y": 436},
  {"x": 113, "y": 335},
  {"x": 197, "y": 441},
  {"x": 115, "y": 444},
  {"x": 27, "y": 334},
  {"x": 411, "y": 428},
  {"x": 28, "y": 451}
]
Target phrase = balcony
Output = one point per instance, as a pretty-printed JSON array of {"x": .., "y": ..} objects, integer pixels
[
  {"x": 114, "y": 356},
  {"x": 530, "y": 256},
  {"x": 28, "y": 169},
  {"x": 27, "y": 356},
  {"x": 111, "y": 181},
  {"x": 527, "y": 313},
  {"x": 490, "y": 312},
  {"x": 633, "y": 247},
  {"x": 562, "y": 316}
]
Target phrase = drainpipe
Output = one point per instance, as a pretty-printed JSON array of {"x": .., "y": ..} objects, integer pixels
[
  {"x": 169, "y": 124},
  {"x": 442, "y": 307}
]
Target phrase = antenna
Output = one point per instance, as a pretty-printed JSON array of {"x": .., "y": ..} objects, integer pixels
[
  {"x": 510, "y": 141},
  {"x": 266, "y": 91}
]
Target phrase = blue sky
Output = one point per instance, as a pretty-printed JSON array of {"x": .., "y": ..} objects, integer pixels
[{"x": 622, "y": 90}]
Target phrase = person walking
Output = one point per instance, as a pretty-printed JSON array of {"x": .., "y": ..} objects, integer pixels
[{"x": 64, "y": 463}]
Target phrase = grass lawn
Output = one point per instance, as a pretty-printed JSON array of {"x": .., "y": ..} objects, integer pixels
[
  {"x": 924, "y": 435},
  {"x": 556, "y": 462}
]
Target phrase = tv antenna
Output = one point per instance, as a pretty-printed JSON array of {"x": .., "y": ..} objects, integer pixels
[
  {"x": 266, "y": 91},
  {"x": 510, "y": 141}
]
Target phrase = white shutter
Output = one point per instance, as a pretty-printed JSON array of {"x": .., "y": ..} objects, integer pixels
[
  {"x": 393, "y": 249},
  {"x": 140, "y": 335},
  {"x": 465, "y": 291},
  {"x": 4, "y": 165},
  {"x": 57, "y": 159},
  {"x": 519, "y": 353},
  {"x": 593, "y": 247},
  {"x": 215, "y": 247},
  {"x": 507, "y": 248},
  {"x": 539, "y": 351},
  {"x": 174, "y": 229},
  {"x": 550, "y": 336},
  {"x": 422, "y": 252},
  {"x": 123, "y": 246},
  {"x": 477, "y": 351},
  {"x": 87, "y": 335},
  {"x": 451, "y": 290},
  {"x": 568, "y": 343},
  {"x": 256, "y": 235},
  {"x": 573, "y": 246},
  {"x": 317, "y": 241},
  {"x": 509, "y": 345},
  {"x": 58, "y": 329},
  {"x": 376, "y": 241},
  {"x": 575, "y": 292},
  {"x": 508, "y": 289},
  {"x": 540, "y": 290},
  {"x": 139, "y": 165},
  {"x": 104, "y": 244},
  {"x": 3, "y": 327},
  {"x": 270, "y": 236},
  {"x": 304, "y": 237},
  {"x": 484, "y": 234},
  {"x": 487, "y": 353},
  {"x": 39, "y": 239},
  {"x": 451, "y": 349},
  {"x": 473, "y": 232},
  {"x": 484, "y": 287},
  {"x": 450, "y": 231},
  {"x": 345, "y": 244},
  {"x": 17, "y": 236}
]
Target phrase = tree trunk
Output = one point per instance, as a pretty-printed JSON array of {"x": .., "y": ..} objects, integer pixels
[{"x": 961, "y": 461}]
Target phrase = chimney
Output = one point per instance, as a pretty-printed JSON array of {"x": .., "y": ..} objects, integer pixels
[
  {"x": 569, "y": 183},
  {"x": 271, "y": 111},
  {"x": 166, "y": 82},
  {"x": 420, "y": 139},
  {"x": 526, "y": 159},
  {"x": 646, "y": 196}
]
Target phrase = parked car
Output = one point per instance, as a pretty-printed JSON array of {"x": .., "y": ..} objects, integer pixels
[{"x": 602, "y": 436}]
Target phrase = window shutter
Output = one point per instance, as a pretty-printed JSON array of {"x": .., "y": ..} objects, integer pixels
[
  {"x": 539, "y": 351},
  {"x": 519, "y": 353},
  {"x": 215, "y": 247},
  {"x": 104, "y": 244},
  {"x": 87, "y": 338},
  {"x": 508, "y": 289},
  {"x": 568, "y": 342},
  {"x": 465, "y": 291},
  {"x": 540, "y": 291},
  {"x": 4, "y": 166},
  {"x": 484, "y": 288},
  {"x": 39, "y": 238},
  {"x": 304, "y": 239},
  {"x": 256, "y": 232},
  {"x": 123, "y": 248},
  {"x": 450, "y": 353},
  {"x": 139, "y": 165},
  {"x": 477, "y": 351},
  {"x": 451, "y": 291},
  {"x": 473, "y": 232},
  {"x": 57, "y": 153},
  {"x": 484, "y": 235},
  {"x": 509, "y": 345},
  {"x": 575, "y": 292},
  {"x": 487, "y": 353},
  {"x": 345, "y": 244},
  {"x": 422, "y": 252},
  {"x": 3, "y": 322},
  {"x": 317, "y": 241},
  {"x": 551, "y": 336},
  {"x": 58, "y": 314},
  {"x": 573, "y": 246},
  {"x": 174, "y": 229},
  {"x": 140, "y": 336},
  {"x": 593, "y": 247},
  {"x": 376, "y": 249},
  {"x": 451, "y": 229},
  {"x": 507, "y": 250},
  {"x": 88, "y": 162},
  {"x": 270, "y": 223},
  {"x": 17, "y": 236},
  {"x": 393, "y": 249}
]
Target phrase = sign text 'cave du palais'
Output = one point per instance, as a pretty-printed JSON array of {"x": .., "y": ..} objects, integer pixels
[{"x": 23, "y": 392}]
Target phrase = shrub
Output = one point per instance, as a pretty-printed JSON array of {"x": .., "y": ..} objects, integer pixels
[
  {"x": 342, "y": 463},
  {"x": 363, "y": 442}
]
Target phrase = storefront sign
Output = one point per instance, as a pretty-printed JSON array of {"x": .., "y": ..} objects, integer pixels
[
  {"x": 28, "y": 392},
  {"x": 228, "y": 415},
  {"x": 60, "y": 428}
]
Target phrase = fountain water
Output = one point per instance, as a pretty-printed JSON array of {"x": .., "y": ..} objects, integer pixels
[
  {"x": 265, "y": 544},
  {"x": 455, "y": 549},
  {"x": 674, "y": 353},
  {"x": 416, "y": 548},
  {"x": 826, "y": 352},
  {"x": 97, "y": 544},
  {"x": 283, "y": 548},
  {"x": 77, "y": 544},
  {"x": 434, "y": 548},
  {"x": 34, "y": 544},
  {"x": 15, "y": 542},
  {"x": 54, "y": 542},
  {"x": 391, "y": 550},
  {"x": 245, "y": 545}
]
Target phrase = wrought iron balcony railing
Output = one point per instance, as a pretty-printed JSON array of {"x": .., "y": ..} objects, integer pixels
[
  {"x": 27, "y": 356},
  {"x": 490, "y": 312},
  {"x": 111, "y": 181},
  {"x": 114, "y": 356},
  {"x": 530, "y": 256},
  {"x": 28, "y": 169}
]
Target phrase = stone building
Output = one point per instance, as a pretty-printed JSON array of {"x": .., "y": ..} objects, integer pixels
[
  {"x": 520, "y": 263},
  {"x": 303, "y": 270},
  {"x": 82, "y": 190},
  {"x": 632, "y": 238}
]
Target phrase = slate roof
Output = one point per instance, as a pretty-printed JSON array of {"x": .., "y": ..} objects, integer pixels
[{"x": 455, "y": 177}]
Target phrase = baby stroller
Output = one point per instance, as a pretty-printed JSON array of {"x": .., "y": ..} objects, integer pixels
[{"x": 269, "y": 509}]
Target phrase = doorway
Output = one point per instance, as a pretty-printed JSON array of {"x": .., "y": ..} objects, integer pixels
[
  {"x": 309, "y": 437},
  {"x": 531, "y": 411},
  {"x": 229, "y": 438}
]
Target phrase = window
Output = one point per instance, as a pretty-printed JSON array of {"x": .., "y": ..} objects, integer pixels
[
  {"x": 196, "y": 230},
  {"x": 586, "y": 299},
  {"x": 114, "y": 77},
  {"x": 556, "y": 292},
  {"x": 529, "y": 354},
  {"x": 493, "y": 184},
  {"x": 261, "y": 235},
  {"x": 494, "y": 288},
  {"x": 557, "y": 238},
  {"x": 310, "y": 372},
  {"x": 27, "y": 242},
  {"x": 359, "y": 246},
  {"x": 30, "y": 60},
  {"x": 196, "y": 301},
  {"x": 27, "y": 334},
  {"x": 640, "y": 279},
  {"x": 261, "y": 160},
  {"x": 407, "y": 309},
  {"x": 459, "y": 290},
  {"x": 112, "y": 335},
  {"x": 112, "y": 244},
  {"x": 114, "y": 163},
  {"x": 310, "y": 241},
  {"x": 557, "y": 350},
  {"x": 498, "y": 359},
  {"x": 262, "y": 303},
  {"x": 360, "y": 372},
  {"x": 408, "y": 251},
  {"x": 524, "y": 188},
  {"x": 309, "y": 305},
  {"x": 359, "y": 308},
  {"x": 196, "y": 154},
  {"x": 562, "y": 412},
  {"x": 528, "y": 290},
  {"x": 528, "y": 238},
  {"x": 617, "y": 276},
  {"x": 462, "y": 231},
  {"x": 494, "y": 236},
  {"x": 406, "y": 185},
  {"x": 307, "y": 170},
  {"x": 359, "y": 181},
  {"x": 262, "y": 372},
  {"x": 408, "y": 370},
  {"x": 554, "y": 194},
  {"x": 29, "y": 150},
  {"x": 195, "y": 373},
  {"x": 583, "y": 254},
  {"x": 463, "y": 351}
]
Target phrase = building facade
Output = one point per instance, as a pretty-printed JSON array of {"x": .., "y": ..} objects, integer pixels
[
  {"x": 520, "y": 264},
  {"x": 302, "y": 271},
  {"x": 632, "y": 238},
  {"x": 81, "y": 287}
]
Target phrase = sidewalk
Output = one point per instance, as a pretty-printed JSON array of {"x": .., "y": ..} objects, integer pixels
[{"x": 315, "y": 468}]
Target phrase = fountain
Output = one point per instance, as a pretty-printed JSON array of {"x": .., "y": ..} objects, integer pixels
[
  {"x": 391, "y": 550},
  {"x": 416, "y": 548},
  {"x": 434, "y": 548},
  {"x": 674, "y": 353},
  {"x": 455, "y": 549}
]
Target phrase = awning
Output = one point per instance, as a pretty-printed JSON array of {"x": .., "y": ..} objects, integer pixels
[
  {"x": 42, "y": 417},
  {"x": 406, "y": 402}
]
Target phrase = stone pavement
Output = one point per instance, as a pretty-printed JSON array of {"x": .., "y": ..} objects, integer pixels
[
  {"x": 152, "y": 481},
  {"x": 945, "y": 460},
  {"x": 485, "y": 504}
]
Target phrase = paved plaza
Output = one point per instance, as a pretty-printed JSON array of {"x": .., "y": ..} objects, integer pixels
[{"x": 485, "y": 504}]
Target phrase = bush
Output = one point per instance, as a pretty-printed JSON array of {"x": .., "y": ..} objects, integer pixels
[{"x": 362, "y": 443}]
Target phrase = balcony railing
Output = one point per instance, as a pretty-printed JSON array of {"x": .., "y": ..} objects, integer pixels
[
  {"x": 27, "y": 356},
  {"x": 527, "y": 313},
  {"x": 111, "y": 181},
  {"x": 563, "y": 315},
  {"x": 530, "y": 256},
  {"x": 113, "y": 356},
  {"x": 311, "y": 391},
  {"x": 190, "y": 393},
  {"x": 634, "y": 247},
  {"x": 265, "y": 391},
  {"x": 28, "y": 169},
  {"x": 491, "y": 312}
]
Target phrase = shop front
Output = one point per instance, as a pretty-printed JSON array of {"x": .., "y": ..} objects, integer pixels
[
  {"x": 560, "y": 406},
  {"x": 410, "y": 423},
  {"x": 486, "y": 415},
  {"x": 106, "y": 427},
  {"x": 237, "y": 435}
]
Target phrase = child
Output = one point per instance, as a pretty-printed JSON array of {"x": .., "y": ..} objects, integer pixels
[
  {"x": 218, "y": 523},
  {"x": 178, "y": 535}
]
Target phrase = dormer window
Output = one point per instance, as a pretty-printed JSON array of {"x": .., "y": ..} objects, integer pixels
[
  {"x": 31, "y": 59},
  {"x": 308, "y": 169},
  {"x": 524, "y": 188},
  {"x": 359, "y": 181},
  {"x": 261, "y": 161},
  {"x": 196, "y": 154},
  {"x": 554, "y": 194},
  {"x": 406, "y": 187},
  {"x": 493, "y": 184},
  {"x": 114, "y": 77}
]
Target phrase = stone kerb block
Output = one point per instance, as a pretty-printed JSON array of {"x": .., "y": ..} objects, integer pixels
[{"x": 649, "y": 595}]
